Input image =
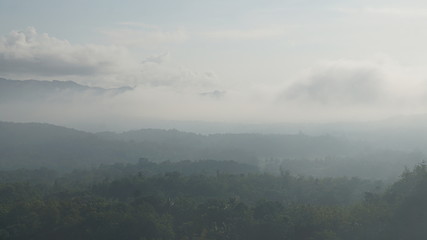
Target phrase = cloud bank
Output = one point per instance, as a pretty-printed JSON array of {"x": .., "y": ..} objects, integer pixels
[
  {"x": 29, "y": 52},
  {"x": 339, "y": 84},
  {"x": 330, "y": 91}
]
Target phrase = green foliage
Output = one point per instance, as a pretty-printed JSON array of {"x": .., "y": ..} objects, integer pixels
[{"x": 220, "y": 206}]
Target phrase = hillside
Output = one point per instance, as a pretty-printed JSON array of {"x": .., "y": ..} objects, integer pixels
[{"x": 34, "y": 145}]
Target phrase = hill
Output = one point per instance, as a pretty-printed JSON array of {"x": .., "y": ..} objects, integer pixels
[{"x": 35, "y": 145}]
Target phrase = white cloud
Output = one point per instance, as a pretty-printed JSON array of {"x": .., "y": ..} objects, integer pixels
[
  {"x": 167, "y": 90},
  {"x": 29, "y": 54},
  {"x": 341, "y": 90},
  {"x": 36, "y": 54},
  {"x": 355, "y": 90}
]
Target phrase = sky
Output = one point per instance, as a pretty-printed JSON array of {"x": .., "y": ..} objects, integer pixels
[{"x": 224, "y": 61}]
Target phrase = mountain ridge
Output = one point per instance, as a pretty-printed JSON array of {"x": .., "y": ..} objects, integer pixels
[{"x": 41, "y": 90}]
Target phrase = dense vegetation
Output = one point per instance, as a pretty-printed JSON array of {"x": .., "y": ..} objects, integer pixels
[
  {"x": 80, "y": 185},
  {"x": 145, "y": 201}
]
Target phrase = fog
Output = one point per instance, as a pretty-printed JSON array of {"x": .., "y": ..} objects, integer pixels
[
  {"x": 347, "y": 71},
  {"x": 341, "y": 90},
  {"x": 218, "y": 119}
]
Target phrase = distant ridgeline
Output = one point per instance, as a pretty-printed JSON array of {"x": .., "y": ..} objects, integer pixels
[
  {"x": 35, "y": 145},
  {"x": 35, "y": 90}
]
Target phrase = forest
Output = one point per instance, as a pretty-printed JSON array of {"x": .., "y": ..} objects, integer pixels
[
  {"x": 61, "y": 183},
  {"x": 147, "y": 201}
]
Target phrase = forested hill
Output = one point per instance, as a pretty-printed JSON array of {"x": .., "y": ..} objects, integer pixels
[
  {"x": 34, "y": 145},
  {"x": 265, "y": 145}
]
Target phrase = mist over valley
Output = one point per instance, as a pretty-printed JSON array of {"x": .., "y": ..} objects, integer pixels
[{"x": 231, "y": 120}]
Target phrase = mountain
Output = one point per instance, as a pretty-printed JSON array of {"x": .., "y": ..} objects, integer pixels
[{"x": 35, "y": 90}]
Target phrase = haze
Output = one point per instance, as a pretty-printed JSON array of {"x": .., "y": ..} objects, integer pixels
[
  {"x": 234, "y": 120},
  {"x": 223, "y": 61}
]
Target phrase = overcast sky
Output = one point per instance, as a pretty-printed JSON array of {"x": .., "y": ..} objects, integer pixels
[{"x": 247, "y": 61}]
